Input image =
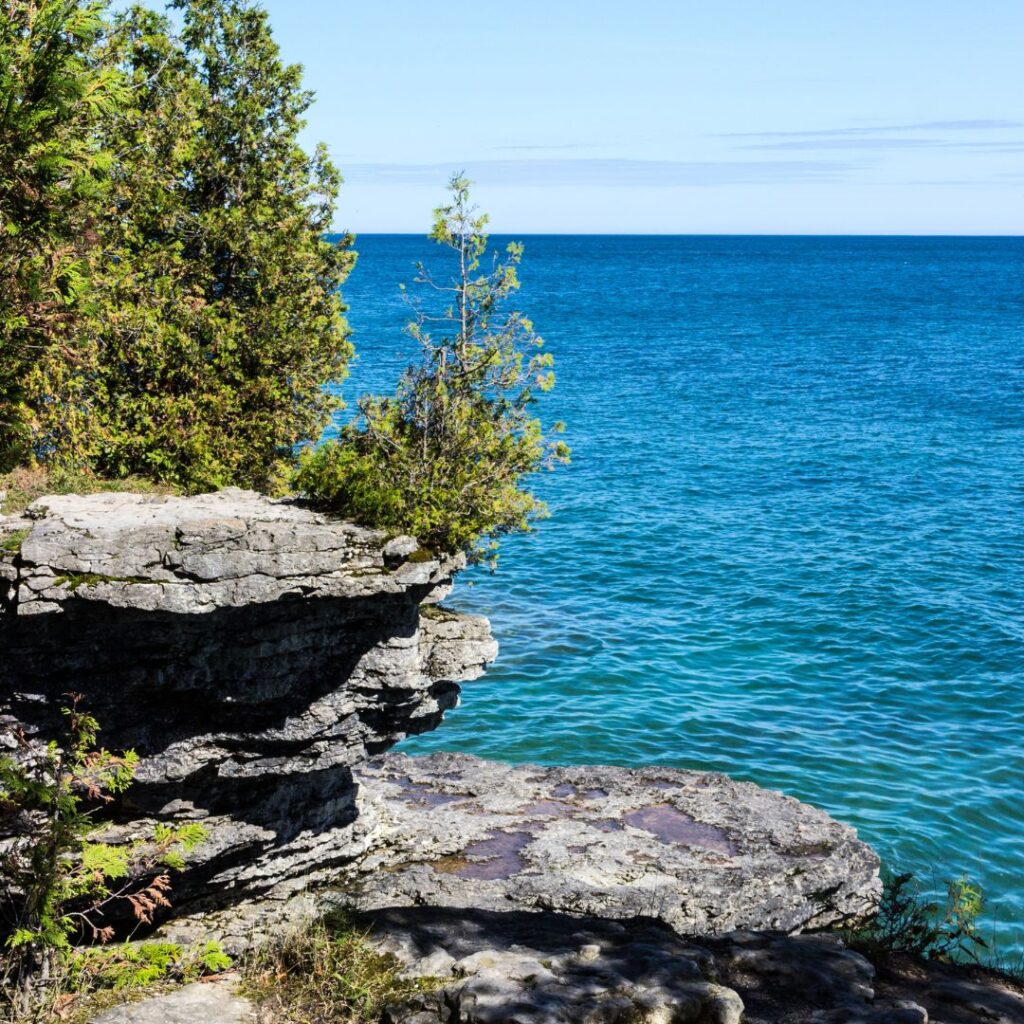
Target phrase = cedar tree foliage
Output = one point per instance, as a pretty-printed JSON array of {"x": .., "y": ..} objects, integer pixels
[
  {"x": 445, "y": 456},
  {"x": 215, "y": 318},
  {"x": 55, "y": 91}
]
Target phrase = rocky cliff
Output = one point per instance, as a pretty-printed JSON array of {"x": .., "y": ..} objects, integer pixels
[
  {"x": 261, "y": 658},
  {"x": 251, "y": 651}
]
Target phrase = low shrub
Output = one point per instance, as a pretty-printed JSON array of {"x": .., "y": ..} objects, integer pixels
[
  {"x": 136, "y": 965},
  {"x": 93, "y": 979},
  {"x": 59, "y": 883},
  {"x": 908, "y": 921}
]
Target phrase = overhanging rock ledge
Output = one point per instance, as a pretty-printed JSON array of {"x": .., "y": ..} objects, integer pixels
[{"x": 251, "y": 651}]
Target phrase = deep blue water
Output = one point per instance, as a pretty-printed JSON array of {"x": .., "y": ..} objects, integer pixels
[{"x": 790, "y": 545}]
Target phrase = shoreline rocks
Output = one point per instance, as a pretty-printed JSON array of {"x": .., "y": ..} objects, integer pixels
[
  {"x": 251, "y": 651},
  {"x": 696, "y": 850},
  {"x": 541, "y": 967},
  {"x": 261, "y": 658}
]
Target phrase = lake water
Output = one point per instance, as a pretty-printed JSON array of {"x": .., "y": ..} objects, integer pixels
[{"x": 790, "y": 545}]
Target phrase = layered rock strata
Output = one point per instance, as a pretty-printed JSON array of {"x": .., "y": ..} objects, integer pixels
[{"x": 251, "y": 652}]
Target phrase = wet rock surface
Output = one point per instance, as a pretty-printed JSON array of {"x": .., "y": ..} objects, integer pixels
[
  {"x": 698, "y": 851},
  {"x": 251, "y": 651}
]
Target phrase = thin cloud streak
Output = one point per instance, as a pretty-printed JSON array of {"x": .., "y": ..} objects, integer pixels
[
  {"x": 542, "y": 147},
  {"x": 858, "y": 143},
  {"x": 867, "y": 142},
  {"x": 976, "y": 124},
  {"x": 606, "y": 172}
]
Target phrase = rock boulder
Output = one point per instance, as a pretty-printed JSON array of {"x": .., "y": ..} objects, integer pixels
[{"x": 696, "y": 850}]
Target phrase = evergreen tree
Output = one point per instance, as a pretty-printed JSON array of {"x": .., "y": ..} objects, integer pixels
[
  {"x": 445, "y": 457},
  {"x": 54, "y": 91},
  {"x": 220, "y": 320}
]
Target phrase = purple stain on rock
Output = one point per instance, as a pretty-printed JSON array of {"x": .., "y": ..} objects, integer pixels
[
  {"x": 421, "y": 795},
  {"x": 672, "y": 826},
  {"x": 606, "y": 824},
  {"x": 502, "y": 856},
  {"x": 567, "y": 789},
  {"x": 431, "y": 798}
]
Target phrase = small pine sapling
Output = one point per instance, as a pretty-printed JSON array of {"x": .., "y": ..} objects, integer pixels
[{"x": 446, "y": 456}]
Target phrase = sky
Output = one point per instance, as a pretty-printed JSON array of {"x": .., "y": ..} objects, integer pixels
[{"x": 654, "y": 116}]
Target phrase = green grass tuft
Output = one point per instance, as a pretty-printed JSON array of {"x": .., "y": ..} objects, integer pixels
[
  {"x": 421, "y": 555},
  {"x": 23, "y": 485},
  {"x": 327, "y": 973},
  {"x": 11, "y": 542},
  {"x": 74, "y": 580}
]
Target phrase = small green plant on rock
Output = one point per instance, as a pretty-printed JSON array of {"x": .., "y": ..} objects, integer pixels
[
  {"x": 23, "y": 485},
  {"x": 11, "y": 542},
  {"x": 135, "y": 965},
  {"x": 58, "y": 881},
  {"x": 909, "y": 922}
]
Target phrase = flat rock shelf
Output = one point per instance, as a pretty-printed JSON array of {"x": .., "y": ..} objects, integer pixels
[{"x": 698, "y": 851}]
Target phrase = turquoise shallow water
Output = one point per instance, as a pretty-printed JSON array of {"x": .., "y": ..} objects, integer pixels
[{"x": 790, "y": 546}]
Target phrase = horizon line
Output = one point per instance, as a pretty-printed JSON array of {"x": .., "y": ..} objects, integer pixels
[{"x": 701, "y": 234}]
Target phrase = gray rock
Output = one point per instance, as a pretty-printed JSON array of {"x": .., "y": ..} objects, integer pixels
[
  {"x": 699, "y": 851},
  {"x": 210, "y": 1002},
  {"x": 950, "y": 993},
  {"x": 549, "y": 968},
  {"x": 251, "y": 651},
  {"x": 775, "y": 972},
  {"x": 256, "y": 654}
]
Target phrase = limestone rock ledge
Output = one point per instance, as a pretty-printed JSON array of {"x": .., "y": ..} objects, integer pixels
[
  {"x": 529, "y": 968},
  {"x": 260, "y": 658},
  {"x": 250, "y": 650},
  {"x": 522, "y": 968},
  {"x": 698, "y": 851}
]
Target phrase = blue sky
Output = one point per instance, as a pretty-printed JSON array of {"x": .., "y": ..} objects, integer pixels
[{"x": 653, "y": 116}]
